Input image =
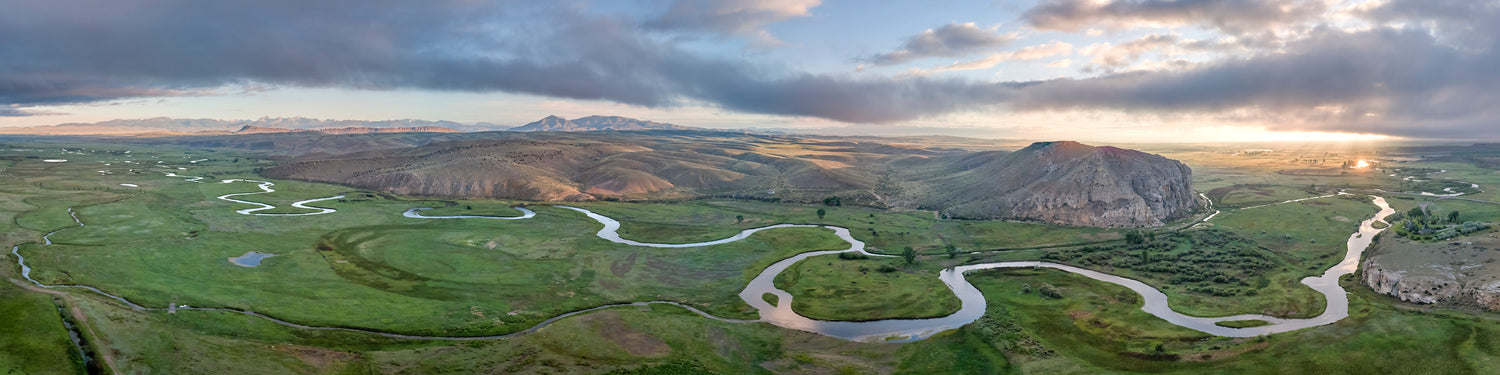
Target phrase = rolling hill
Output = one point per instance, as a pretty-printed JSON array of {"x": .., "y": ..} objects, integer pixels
[{"x": 1054, "y": 182}]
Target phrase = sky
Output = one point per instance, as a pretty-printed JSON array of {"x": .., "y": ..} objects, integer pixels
[{"x": 1106, "y": 70}]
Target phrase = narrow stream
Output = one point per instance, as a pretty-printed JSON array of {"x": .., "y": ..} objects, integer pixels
[
  {"x": 76, "y": 337},
  {"x": 265, "y": 187}
]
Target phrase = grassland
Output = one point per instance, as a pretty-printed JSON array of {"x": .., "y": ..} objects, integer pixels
[
  {"x": 365, "y": 266},
  {"x": 33, "y": 339},
  {"x": 882, "y": 231},
  {"x": 830, "y": 288}
]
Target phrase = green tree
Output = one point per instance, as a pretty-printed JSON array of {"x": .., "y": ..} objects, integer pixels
[
  {"x": 1416, "y": 212},
  {"x": 909, "y": 254},
  {"x": 1453, "y": 217},
  {"x": 821, "y": 213},
  {"x": 739, "y": 219},
  {"x": 952, "y": 250},
  {"x": 1134, "y": 237}
]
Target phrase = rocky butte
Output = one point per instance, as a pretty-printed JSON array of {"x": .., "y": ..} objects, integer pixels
[
  {"x": 1461, "y": 272},
  {"x": 1069, "y": 183}
]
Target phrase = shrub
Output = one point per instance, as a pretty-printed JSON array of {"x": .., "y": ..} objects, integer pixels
[
  {"x": 1049, "y": 291},
  {"x": 853, "y": 256}
]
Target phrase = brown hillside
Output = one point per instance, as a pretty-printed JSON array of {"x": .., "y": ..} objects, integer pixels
[
  {"x": 1054, "y": 182},
  {"x": 1066, "y": 183}
]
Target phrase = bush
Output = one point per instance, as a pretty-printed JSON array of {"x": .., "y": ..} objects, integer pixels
[
  {"x": 1049, "y": 291},
  {"x": 886, "y": 268},
  {"x": 853, "y": 256}
]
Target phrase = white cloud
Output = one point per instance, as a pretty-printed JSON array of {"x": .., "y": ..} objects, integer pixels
[
  {"x": 1036, "y": 52},
  {"x": 951, "y": 40}
]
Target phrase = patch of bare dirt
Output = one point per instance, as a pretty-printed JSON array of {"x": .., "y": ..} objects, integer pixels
[
  {"x": 1223, "y": 353},
  {"x": 623, "y": 266},
  {"x": 316, "y": 357},
  {"x": 635, "y": 342}
]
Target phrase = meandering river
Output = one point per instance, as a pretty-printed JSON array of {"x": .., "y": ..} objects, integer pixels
[{"x": 782, "y": 315}]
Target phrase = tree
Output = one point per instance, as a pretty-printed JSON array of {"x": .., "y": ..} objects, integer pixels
[
  {"x": 1134, "y": 237},
  {"x": 739, "y": 219},
  {"x": 821, "y": 213},
  {"x": 1453, "y": 217},
  {"x": 952, "y": 250},
  {"x": 833, "y": 201},
  {"x": 1416, "y": 212},
  {"x": 909, "y": 254}
]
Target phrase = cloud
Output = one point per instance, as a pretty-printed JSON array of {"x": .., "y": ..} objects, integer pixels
[
  {"x": 951, "y": 40},
  {"x": 1229, "y": 16},
  {"x": 1106, "y": 55},
  {"x": 1400, "y": 78},
  {"x": 184, "y": 47},
  {"x": 1383, "y": 81},
  {"x": 1110, "y": 57},
  {"x": 1453, "y": 21},
  {"x": 731, "y": 17},
  {"x": 1036, "y": 52}
]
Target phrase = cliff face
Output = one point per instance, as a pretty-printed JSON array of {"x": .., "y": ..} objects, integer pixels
[
  {"x": 1071, "y": 184},
  {"x": 1460, "y": 273}
]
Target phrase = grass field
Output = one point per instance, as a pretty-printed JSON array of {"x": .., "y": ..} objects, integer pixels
[
  {"x": 882, "y": 231},
  {"x": 32, "y": 337},
  {"x": 829, "y": 288}
]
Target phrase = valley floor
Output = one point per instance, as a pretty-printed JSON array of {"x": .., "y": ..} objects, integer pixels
[{"x": 160, "y": 240}]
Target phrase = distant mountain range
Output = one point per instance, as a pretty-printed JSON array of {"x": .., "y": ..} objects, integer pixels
[
  {"x": 171, "y": 126},
  {"x": 248, "y": 129},
  {"x": 592, "y": 123}
]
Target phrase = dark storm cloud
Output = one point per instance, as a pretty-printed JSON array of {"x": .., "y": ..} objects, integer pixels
[
  {"x": 1231, "y": 16},
  {"x": 951, "y": 40}
]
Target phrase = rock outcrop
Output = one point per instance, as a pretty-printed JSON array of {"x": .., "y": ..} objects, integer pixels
[
  {"x": 1462, "y": 272},
  {"x": 1068, "y": 183}
]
